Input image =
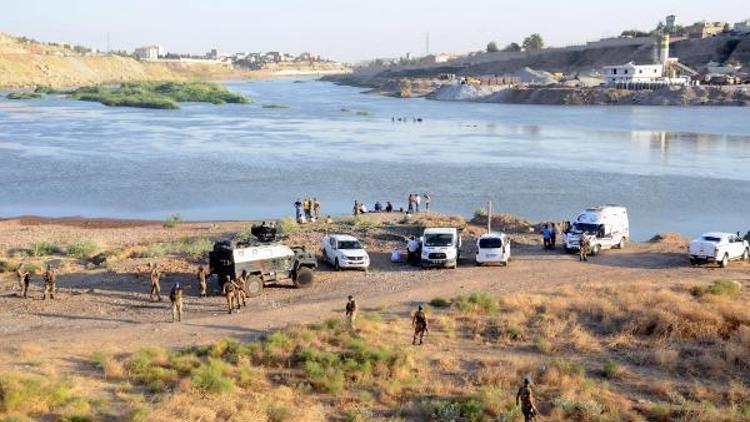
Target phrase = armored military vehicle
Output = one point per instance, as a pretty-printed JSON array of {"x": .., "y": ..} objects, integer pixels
[{"x": 264, "y": 261}]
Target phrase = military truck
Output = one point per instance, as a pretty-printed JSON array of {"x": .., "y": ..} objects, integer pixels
[{"x": 264, "y": 262}]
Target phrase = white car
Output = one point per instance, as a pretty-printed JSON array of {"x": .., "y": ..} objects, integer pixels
[
  {"x": 718, "y": 247},
  {"x": 344, "y": 252},
  {"x": 607, "y": 227},
  {"x": 493, "y": 248},
  {"x": 441, "y": 247}
]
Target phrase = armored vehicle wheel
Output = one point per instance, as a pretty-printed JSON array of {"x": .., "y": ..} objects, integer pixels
[
  {"x": 254, "y": 286},
  {"x": 303, "y": 278}
]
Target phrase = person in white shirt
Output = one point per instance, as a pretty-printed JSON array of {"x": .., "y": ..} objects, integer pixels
[
  {"x": 412, "y": 247},
  {"x": 417, "y": 201}
]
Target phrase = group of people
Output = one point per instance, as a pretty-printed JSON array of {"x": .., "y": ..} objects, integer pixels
[
  {"x": 307, "y": 209},
  {"x": 49, "y": 279},
  {"x": 360, "y": 207},
  {"x": 415, "y": 201},
  {"x": 549, "y": 235}
]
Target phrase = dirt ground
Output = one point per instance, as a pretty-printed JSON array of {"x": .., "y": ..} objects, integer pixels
[{"x": 107, "y": 307}]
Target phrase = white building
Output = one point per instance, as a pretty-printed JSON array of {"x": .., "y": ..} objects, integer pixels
[
  {"x": 150, "y": 52},
  {"x": 632, "y": 73},
  {"x": 742, "y": 27}
]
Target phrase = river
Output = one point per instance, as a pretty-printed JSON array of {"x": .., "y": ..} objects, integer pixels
[{"x": 676, "y": 169}]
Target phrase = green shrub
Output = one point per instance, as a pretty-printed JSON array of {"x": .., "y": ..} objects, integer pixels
[
  {"x": 477, "y": 302},
  {"x": 43, "y": 248},
  {"x": 200, "y": 246},
  {"x": 82, "y": 249},
  {"x": 26, "y": 394},
  {"x": 278, "y": 413},
  {"x": 440, "y": 302},
  {"x": 567, "y": 367},
  {"x": 718, "y": 288},
  {"x": 286, "y": 226},
  {"x": 23, "y": 96},
  {"x": 211, "y": 377},
  {"x": 470, "y": 410},
  {"x": 611, "y": 369},
  {"x": 273, "y": 105},
  {"x": 480, "y": 212},
  {"x": 171, "y": 221}
]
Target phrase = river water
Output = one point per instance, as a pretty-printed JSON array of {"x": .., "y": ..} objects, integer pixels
[{"x": 676, "y": 169}]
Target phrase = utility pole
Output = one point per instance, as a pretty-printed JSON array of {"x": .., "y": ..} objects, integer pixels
[
  {"x": 489, "y": 216},
  {"x": 427, "y": 44}
]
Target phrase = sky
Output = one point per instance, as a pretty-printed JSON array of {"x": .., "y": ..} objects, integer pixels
[{"x": 346, "y": 30}]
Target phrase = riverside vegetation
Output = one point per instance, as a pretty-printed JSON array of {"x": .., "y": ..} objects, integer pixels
[
  {"x": 597, "y": 353},
  {"x": 161, "y": 95}
]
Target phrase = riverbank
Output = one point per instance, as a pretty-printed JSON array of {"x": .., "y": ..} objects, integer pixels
[
  {"x": 640, "y": 314},
  {"x": 437, "y": 90}
]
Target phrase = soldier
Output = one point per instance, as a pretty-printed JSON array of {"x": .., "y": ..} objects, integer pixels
[
  {"x": 351, "y": 311},
  {"x": 316, "y": 208},
  {"x": 419, "y": 322},
  {"x": 525, "y": 397},
  {"x": 584, "y": 248},
  {"x": 202, "y": 280},
  {"x": 26, "y": 282},
  {"x": 50, "y": 279},
  {"x": 229, "y": 291},
  {"x": 241, "y": 289},
  {"x": 21, "y": 274},
  {"x": 155, "y": 288},
  {"x": 175, "y": 296}
]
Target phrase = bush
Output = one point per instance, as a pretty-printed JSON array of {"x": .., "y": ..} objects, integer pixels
[
  {"x": 480, "y": 213},
  {"x": 82, "y": 249},
  {"x": 23, "y": 96},
  {"x": 611, "y": 369},
  {"x": 440, "y": 302},
  {"x": 718, "y": 288},
  {"x": 477, "y": 302},
  {"x": 43, "y": 248},
  {"x": 286, "y": 226},
  {"x": 171, "y": 221},
  {"x": 211, "y": 377},
  {"x": 34, "y": 395}
]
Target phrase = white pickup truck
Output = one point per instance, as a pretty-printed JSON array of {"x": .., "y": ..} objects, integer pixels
[{"x": 718, "y": 247}]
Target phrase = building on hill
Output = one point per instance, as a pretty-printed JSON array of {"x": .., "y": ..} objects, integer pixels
[
  {"x": 150, "y": 52},
  {"x": 705, "y": 29},
  {"x": 664, "y": 71},
  {"x": 633, "y": 73},
  {"x": 670, "y": 24},
  {"x": 742, "y": 27}
]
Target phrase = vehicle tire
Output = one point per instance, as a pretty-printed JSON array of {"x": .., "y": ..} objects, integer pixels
[
  {"x": 568, "y": 250},
  {"x": 724, "y": 261},
  {"x": 693, "y": 262},
  {"x": 336, "y": 265},
  {"x": 254, "y": 286},
  {"x": 303, "y": 278},
  {"x": 595, "y": 250},
  {"x": 621, "y": 245}
]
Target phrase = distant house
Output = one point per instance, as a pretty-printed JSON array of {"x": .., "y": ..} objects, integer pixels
[
  {"x": 742, "y": 27},
  {"x": 437, "y": 58},
  {"x": 150, "y": 52},
  {"x": 272, "y": 57},
  {"x": 705, "y": 29},
  {"x": 633, "y": 73}
]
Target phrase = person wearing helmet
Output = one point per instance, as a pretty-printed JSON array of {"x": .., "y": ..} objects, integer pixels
[
  {"x": 202, "y": 275},
  {"x": 525, "y": 397},
  {"x": 351, "y": 311},
  {"x": 419, "y": 322}
]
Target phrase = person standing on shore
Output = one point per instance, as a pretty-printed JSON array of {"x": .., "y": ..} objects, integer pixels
[
  {"x": 202, "y": 281},
  {"x": 417, "y": 201},
  {"x": 412, "y": 250},
  {"x": 316, "y": 208},
  {"x": 357, "y": 208},
  {"x": 545, "y": 236},
  {"x": 427, "y": 202},
  {"x": 584, "y": 247},
  {"x": 411, "y": 204},
  {"x": 307, "y": 205},
  {"x": 21, "y": 274},
  {"x": 389, "y": 207},
  {"x": 298, "y": 211},
  {"x": 553, "y": 236}
]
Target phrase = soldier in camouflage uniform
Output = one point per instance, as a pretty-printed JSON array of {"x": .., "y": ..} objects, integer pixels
[
  {"x": 419, "y": 322},
  {"x": 241, "y": 289},
  {"x": 26, "y": 282},
  {"x": 175, "y": 296},
  {"x": 21, "y": 274},
  {"x": 525, "y": 397},
  {"x": 351, "y": 311},
  {"x": 50, "y": 280},
  {"x": 202, "y": 280},
  {"x": 229, "y": 291},
  {"x": 584, "y": 248},
  {"x": 154, "y": 276}
]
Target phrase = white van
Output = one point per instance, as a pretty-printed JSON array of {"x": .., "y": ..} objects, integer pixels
[
  {"x": 607, "y": 227},
  {"x": 440, "y": 247},
  {"x": 493, "y": 248}
]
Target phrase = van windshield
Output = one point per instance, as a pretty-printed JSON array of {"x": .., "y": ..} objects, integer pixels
[
  {"x": 490, "y": 243},
  {"x": 349, "y": 244},
  {"x": 442, "y": 239},
  {"x": 712, "y": 239},
  {"x": 586, "y": 227}
]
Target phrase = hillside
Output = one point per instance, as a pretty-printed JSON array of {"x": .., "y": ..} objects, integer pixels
[{"x": 25, "y": 63}]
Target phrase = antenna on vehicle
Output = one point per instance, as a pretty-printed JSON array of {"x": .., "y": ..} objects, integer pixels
[{"x": 489, "y": 216}]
